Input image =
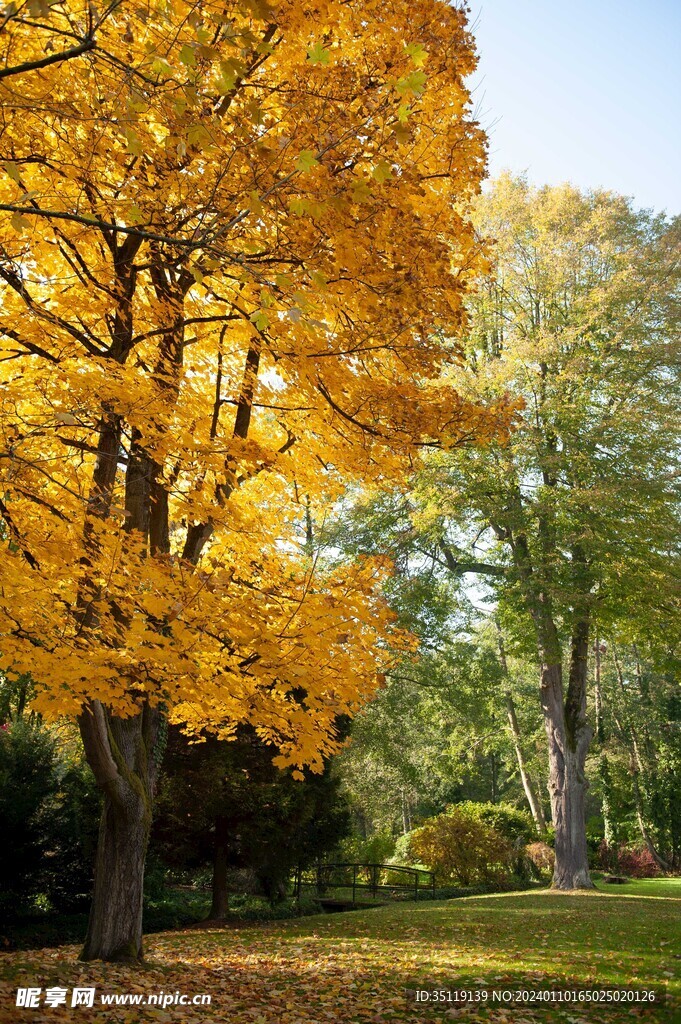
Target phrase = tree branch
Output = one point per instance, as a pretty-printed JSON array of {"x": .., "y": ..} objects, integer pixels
[{"x": 54, "y": 58}]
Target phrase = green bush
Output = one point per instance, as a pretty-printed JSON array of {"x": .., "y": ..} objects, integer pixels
[
  {"x": 459, "y": 847},
  {"x": 514, "y": 825},
  {"x": 49, "y": 810},
  {"x": 402, "y": 854},
  {"x": 376, "y": 849},
  {"x": 28, "y": 784}
]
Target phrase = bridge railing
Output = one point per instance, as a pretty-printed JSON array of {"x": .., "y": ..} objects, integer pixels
[{"x": 353, "y": 881}]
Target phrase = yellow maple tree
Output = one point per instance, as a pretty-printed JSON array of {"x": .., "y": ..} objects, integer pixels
[{"x": 229, "y": 232}]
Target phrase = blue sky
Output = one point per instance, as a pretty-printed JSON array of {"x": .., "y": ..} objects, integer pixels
[{"x": 587, "y": 91}]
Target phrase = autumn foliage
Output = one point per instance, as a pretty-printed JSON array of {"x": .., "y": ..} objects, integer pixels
[
  {"x": 230, "y": 234},
  {"x": 460, "y": 847}
]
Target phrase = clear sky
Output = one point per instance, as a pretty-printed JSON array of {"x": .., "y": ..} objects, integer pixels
[{"x": 587, "y": 91}]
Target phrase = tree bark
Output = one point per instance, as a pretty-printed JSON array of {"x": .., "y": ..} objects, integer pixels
[
  {"x": 568, "y": 740},
  {"x": 567, "y": 730},
  {"x": 115, "y": 924},
  {"x": 124, "y": 755}
]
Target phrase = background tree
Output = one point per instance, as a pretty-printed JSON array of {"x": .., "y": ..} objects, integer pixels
[
  {"x": 457, "y": 718},
  {"x": 48, "y": 810},
  {"x": 642, "y": 742},
  {"x": 226, "y": 804},
  {"x": 217, "y": 303},
  {"x": 578, "y": 514}
]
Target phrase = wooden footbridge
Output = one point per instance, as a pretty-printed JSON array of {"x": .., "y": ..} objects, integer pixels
[{"x": 354, "y": 886}]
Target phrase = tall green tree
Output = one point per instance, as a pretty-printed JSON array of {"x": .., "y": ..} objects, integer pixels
[{"x": 578, "y": 515}]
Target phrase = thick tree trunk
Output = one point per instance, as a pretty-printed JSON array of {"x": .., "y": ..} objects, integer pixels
[
  {"x": 220, "y": 904},
  {"x": 124, "y": 755},
  {"x": 568, "y": 741},
  {"x": 115, "y": 925}
]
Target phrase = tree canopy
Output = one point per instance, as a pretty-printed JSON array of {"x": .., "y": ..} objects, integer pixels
[
  {"x": 572, "y": 525},
  {"x": 231, "y": 234}
]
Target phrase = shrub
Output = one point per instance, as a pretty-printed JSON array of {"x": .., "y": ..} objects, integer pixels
[
  {"x": 49, "y": 808},
  {"x": 634, "y": 861},
  {"x": 459, "y": 847},
  {"x": 402, "y": 853},
  {"x": 28, "y": 783},
  {"x": 541, "y": 856},
  {"x": 607, "y": 857},
  {"x": 514, "y": 825},
  {"x": 376, "y": 849}
]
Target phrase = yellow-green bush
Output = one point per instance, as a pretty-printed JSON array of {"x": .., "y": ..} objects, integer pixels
[{"x": 459, "y": 847}]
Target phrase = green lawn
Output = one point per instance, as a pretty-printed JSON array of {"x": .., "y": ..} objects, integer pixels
[
  {"x": 665, "y": 887},
  {"x": 353, "y": 967}
]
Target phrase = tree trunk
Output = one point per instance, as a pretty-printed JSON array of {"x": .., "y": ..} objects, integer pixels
[
  {"x": 609, "y": 830},
  {"x": 220, "y": 904},
  {"x": 568, "y": 742},
  {"x": 493, "y": 767},
  {"x": 124, "y": 755},
  {"x": 567, "y": 730},
  {"x": 115, "y": 925},
  {"x": 528, "y": 783}
]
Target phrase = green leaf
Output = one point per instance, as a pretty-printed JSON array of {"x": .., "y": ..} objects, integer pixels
[
  {"x": 133, "y": 143},
  {"x": 382, "y": 171},
  {"x": 306, "y": 161},
  {"x": 418, "y": 54},
  {"x": 319, "y": 280},
  {"x": 260, "y": 319},
  {"x": 414, "y": 82},
  {"x": 135, "y": 215},
  {"x": 162, "y": 68},
  {"x": 317, "y": 54},
  {"x": 187, "y": 56}
]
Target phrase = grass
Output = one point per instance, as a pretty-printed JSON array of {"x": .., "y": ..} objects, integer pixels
[
  {"x": 353, "y": 968},
  {"x": 661, "y": 887},
  {"x": 167, "y": 910}
]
